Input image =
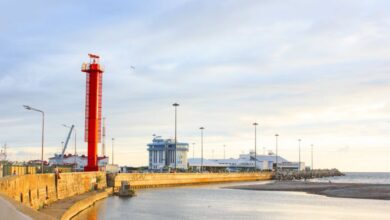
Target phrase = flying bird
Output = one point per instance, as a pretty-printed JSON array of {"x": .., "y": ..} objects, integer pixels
[{"x": 132, "y": 67}]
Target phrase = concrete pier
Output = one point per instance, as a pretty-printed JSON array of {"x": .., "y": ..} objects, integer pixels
[{"x": 151, "y": 180}]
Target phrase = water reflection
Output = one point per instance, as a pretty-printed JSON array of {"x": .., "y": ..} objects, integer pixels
[{"x": 92, "y": 213}]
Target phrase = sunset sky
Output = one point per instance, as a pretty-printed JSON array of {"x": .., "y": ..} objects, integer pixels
[{"x": 314, "y": 70}]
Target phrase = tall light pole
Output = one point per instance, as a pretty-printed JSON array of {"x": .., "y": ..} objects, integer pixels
[
  {"x": 193, "y": 150},
  {"x": 224, "y": 151},
  {"x": 201, "y": 145},
  {"x": 104, "y": 137},
  {"x": 75, "y": 144},
  {"x": 312, "y": 157},
  {"x": 5, "y": 151},
  {"x": 299, "y": 149},
  {"x": 75, "y": 149},
  {"x": 175, "y": 105},
  {"x": 43, "y": 130},
  {"x": 276, "y": 155},
  {"x": 112, "y": 144},
  {"x": 255, "y": 124},
  {"x": 62, "y": 145}
]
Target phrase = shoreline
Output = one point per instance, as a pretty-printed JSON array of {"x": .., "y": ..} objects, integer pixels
[{"x": 336, "y": 190}]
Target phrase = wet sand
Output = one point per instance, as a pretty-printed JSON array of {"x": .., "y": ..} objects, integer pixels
[{"x": 340, "y": 190}]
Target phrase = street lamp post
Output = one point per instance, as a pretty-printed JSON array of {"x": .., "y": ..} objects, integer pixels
[
  {"x": 201, "y": 145},
  {"x": 193, "y": 150},
  {"x": 224, "y": 151},
  {"x": 75, "y": 149},
  {"x": 104, "y": 137},
  {"x": 276, "y": 155},
  {"x": 43, "y": 130},
  {"x": 255, "y": 124},
  {"x": 312, "y": 157},
  {"x": 175, "y": 105},
  {"x": 112, "y": 144},
  {"x": 299, "y": 161}
]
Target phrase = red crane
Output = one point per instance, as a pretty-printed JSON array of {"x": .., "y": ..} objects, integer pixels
[{"x": 93, "y": 109}]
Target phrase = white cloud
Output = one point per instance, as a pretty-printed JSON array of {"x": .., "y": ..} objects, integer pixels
[{"x": 311, "y": 70}]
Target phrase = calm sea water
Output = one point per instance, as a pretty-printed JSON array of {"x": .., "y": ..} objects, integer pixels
[
  {"x": 214, "y": 202},
  {"x": 359, "y": 177}
]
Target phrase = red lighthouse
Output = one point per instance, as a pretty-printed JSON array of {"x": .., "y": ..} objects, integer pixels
[{"x": 93, "y": 109}]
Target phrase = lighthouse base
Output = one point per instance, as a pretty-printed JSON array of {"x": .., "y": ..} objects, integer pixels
[{"x": 91, "y": 168}]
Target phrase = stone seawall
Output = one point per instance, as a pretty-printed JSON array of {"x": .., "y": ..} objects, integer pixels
[
  {"x": 149, "y": 180},
  {"x": 37, "y": 190},
  {"x": 72, "y": 184}
]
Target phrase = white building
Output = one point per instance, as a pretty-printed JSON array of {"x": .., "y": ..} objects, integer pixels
[
  {"x": 246, "y": 161},
  {"x": 80, "y": 161},
  {"x": 162, "y": 154}
]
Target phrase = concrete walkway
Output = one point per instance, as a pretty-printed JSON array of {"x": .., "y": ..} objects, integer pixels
[
  {"x": 10, "y": 209},
  {"x": 60, "y": 208}
]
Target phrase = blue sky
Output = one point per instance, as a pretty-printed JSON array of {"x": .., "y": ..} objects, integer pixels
[{"x": 313, "y": 70}]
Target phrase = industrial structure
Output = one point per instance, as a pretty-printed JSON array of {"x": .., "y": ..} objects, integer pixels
[
  {"x": 164, "y": 154},
  {"x": 59, "y": 158},
  {"x": 66, "y": 142},
  {"x": 93, "y": 109}
]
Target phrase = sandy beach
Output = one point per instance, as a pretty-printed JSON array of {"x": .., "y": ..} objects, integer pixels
[{"x": 340, "y": 190}]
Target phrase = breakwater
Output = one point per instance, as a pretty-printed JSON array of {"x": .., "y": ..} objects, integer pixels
[
  {"x": 150, "y": 180},
  {"x": 310, "y": 174}
]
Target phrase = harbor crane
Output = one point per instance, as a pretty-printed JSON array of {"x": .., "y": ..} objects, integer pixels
[{"x": 66, "y": 143}]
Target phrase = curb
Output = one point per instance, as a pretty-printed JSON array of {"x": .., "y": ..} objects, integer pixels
[{"x": 83, "y": 204}]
